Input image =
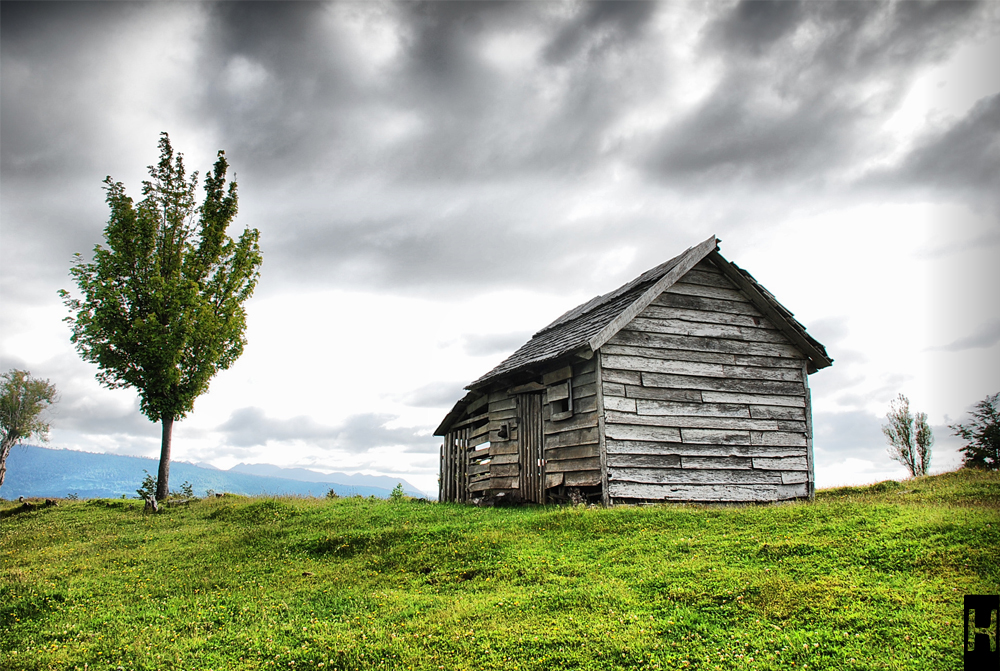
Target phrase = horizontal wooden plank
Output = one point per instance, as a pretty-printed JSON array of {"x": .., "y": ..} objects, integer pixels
[
  {"x": 671, "y": 354},
  {"x": 794, "y": 477},
  {"x": 584, "y": 436},
  {"x": 790, "y": 401},
  {"x": 680, "y": 395},
  {"x": 691, "y": 422},
  {"x": 670, "y": 381},
  {"x": 792, "y": 426},
  {"x": 502, "y": 415},
  {"x": 644, "y": 460},
  {"x": 664, "y": 407},
  {"x": 763, "y": 373},
  {"x": 778, "y": 438},
  {"x": 712, "y": 462},
  {"x": 680, "y": 327},
  {"x": 477, "y": 469},
  {"x": 620, "y": 404},
  {"x": 584, "y": 367},
  {"x": 615, "y": 446},
  {"x": 706, "y": 493},
  {"x": 481, "y": 453},
  {"x": 582, "y": 406},
  {"x": 613, "y": 389},
  {"x": 553, "y": 480},
  {"x": 767, "y": 361},
  {"x": 642, "y": 364},
  {"x": 702, "y": 344},
  {"x": 557, "y": 392},
  {"x": 559, "y": 453},
  {"x": 719, "y": 293},
  {"x": 568, "y": 465},
  {"x": 705, "y": 317},
  {"x": 558, "y": 375},
  {"x": 481, "y": 486},
  {"x": 503, "y": 447},
  {"x": 621, "y": 376},
  {"x": 651, "y": 433},
  {"x": 699, "y": 275},
  {"x": 505, "y": 483},
  {"x": 585, "y": 390},
  {"x": 683, "y": 476},
  {"x": 505, "y": 403},
  {"x": 715, "y": 436},
  {"x": 772, "y": 412},
  {"x": 707, "y": 304},
  {"x": 479, "y": 431},
  {"x": 781, "y": 464},
  {"x": 505, "y": 458},
  {"x": 504, "y": 470},
  {"x": 582, "y": 478},
  {"x": 577, "y": 421}
]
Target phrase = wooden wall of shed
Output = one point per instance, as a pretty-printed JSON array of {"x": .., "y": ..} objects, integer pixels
[
  {"x": 705, "y": 400},
  {"x": 572, "y": 449}
]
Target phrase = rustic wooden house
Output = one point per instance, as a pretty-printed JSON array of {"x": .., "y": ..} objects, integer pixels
[{"x": 689, "y": 383}]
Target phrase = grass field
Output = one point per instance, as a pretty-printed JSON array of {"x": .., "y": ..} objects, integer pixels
[{"x": 863, "y": 578}]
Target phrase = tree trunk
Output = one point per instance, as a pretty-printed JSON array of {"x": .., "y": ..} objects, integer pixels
[
  {"x": 163, "y": 476},
  {"x": 5, "y": 445}
]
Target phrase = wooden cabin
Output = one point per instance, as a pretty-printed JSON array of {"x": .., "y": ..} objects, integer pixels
[{"x": 689, "y": 383}]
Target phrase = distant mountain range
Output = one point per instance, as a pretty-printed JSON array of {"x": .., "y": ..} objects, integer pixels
[{"x": 46, "y": 472}]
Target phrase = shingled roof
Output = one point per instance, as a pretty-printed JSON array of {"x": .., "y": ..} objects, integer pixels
[{"x": 590, "y": 325}]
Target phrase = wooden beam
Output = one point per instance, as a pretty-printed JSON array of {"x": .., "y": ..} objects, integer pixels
[{"x": 688, "y": 261}]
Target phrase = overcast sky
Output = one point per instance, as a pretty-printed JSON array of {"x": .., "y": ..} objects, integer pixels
[{"x": 435, "y": 182}]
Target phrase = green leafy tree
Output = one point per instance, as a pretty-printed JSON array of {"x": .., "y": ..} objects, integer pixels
[
  {"x": 910, "y": 437},
  {"x": 162, "y": 308},
  {"x": 396, "y": 495},
  {"x": 982, "y": 435},
  {"x": 22, "y": 400}
]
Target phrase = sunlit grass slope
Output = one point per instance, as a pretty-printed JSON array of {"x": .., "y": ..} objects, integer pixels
[{"x": 864, "y": 578}]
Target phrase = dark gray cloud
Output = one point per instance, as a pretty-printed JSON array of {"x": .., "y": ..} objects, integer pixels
[
  {"x": 963, "y": 157},
  {"x": 986, "y": 335},
  {"x": 804, "y": 88},
  {"x": 249, "y": 427}
]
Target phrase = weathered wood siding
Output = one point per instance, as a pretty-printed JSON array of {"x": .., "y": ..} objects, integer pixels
[
  {"x": 572, "y": 451},
  {"x": 705, "y": 400}
]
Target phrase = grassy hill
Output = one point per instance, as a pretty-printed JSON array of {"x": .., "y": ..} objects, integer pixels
[{"x": 863, "y": 578}]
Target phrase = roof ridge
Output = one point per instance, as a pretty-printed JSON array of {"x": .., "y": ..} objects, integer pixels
[{"x": 650, "y": 275}]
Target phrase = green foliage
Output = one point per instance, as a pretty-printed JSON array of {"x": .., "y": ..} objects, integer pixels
[
  {"x": 863, "y": 580},
  {"x": 187, "y": 490},
  {"x": 148, "y": 486},
  {"x": 72, "y": 497},
  {"x": 162, "y": 307},
  {"x": 22, "y": 400},
  {"x": 910, "y": 438},
  {"x": 332, "y": 494},
  {"x": 397, "y": 493},
  {"x": 982, "y": 435}
]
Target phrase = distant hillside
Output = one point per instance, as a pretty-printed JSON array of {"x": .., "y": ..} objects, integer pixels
[{"x": 39, "y": 471}]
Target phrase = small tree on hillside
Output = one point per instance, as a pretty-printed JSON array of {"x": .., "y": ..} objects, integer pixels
[
  {"x": 22, "y": 399},
  {"x": 982, "y": 433},
  {"x": 909, "y": 437},
  {"x": 162, "y": 308}
]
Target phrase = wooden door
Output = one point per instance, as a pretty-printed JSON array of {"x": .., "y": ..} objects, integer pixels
[{"x": 529, "y": 447}]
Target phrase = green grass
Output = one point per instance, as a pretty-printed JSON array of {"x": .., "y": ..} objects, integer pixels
[{"x": 863, "y": 578}]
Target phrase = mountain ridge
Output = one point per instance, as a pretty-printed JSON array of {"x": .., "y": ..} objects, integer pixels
[{"x": 34, "y": 471}]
